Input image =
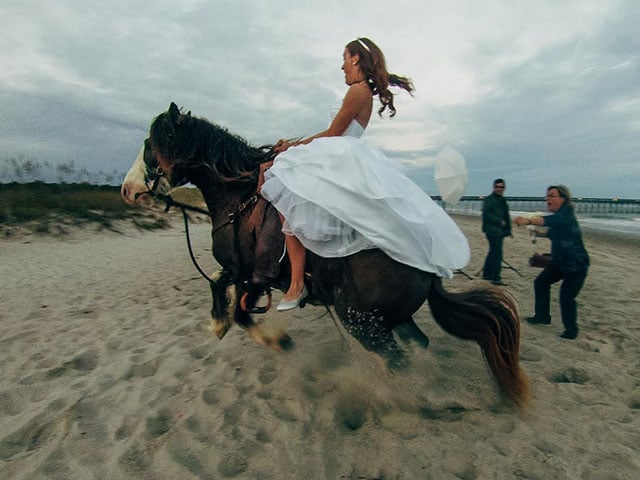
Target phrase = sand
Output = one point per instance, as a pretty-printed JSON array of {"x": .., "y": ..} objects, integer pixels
[{"x": 108, "y": 370}]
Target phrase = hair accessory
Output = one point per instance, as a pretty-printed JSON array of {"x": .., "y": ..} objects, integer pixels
[{"x": 364, "y": 45}]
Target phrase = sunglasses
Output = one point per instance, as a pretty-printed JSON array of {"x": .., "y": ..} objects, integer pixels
[{"x": 498, "y": 186}]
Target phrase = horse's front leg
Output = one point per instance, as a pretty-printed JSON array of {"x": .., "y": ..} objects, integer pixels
[
  {"x": 224, "y": 298},
  {"x": 262, "y": 335}
]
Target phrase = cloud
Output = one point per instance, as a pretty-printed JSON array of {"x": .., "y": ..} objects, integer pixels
[{"x": 527, "y": 90}]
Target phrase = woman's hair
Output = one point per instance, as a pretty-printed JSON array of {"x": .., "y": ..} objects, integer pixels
[
  {"x": 563, "y": 191},
  {"x": 373, "y": 66}
]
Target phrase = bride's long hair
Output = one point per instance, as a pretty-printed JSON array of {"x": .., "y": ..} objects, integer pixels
[{"x": 374, "y": 67}]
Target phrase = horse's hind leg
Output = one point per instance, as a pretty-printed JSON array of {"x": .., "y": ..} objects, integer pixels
[
  {"x": 407, "y": 330},
  {"x": 372, "y": 331}
]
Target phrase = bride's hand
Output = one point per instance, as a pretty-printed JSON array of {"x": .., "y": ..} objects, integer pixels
[{"x": 281, "y": 146}]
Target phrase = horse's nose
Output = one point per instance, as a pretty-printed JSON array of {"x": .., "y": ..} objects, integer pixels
[{"x": 125, "y": 191}]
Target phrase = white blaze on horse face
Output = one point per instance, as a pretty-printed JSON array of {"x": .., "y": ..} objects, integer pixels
[
  {"x": 134, "y": 186},
  {"x": 134, "y": 180}
]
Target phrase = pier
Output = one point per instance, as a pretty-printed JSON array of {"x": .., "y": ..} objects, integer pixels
[{"x": 472, "y": 205}]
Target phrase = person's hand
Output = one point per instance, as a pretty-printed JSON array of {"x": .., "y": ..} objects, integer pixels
[
  {"x": 279, "y": 144},
  {"x": 282, "y": 146},
  {"x": 521, "y": 221}
]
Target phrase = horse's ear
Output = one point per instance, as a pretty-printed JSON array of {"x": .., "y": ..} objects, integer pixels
[
  {"x": 183, "y": 118},
  {"x": 174, "y": 112}
]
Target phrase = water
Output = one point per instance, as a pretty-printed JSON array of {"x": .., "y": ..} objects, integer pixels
[
  {"x": 624, "y": 224},
  {"x": 599, "y": 215}
]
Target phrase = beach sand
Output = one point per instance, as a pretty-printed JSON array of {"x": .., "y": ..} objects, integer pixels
[{"x": 108, "y": 370}]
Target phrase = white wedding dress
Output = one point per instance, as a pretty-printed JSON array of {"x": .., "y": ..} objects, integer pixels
[{"x": 340, "y": 195}]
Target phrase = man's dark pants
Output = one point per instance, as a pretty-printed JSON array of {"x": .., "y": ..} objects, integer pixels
[
  {"x": 572, "y": 283},
  {"x": 493, "y": 262}
]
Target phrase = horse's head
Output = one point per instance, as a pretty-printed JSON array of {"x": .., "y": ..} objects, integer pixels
[
  {"x": 158, "y": 167},
  {"x": 181, "y": 146}
]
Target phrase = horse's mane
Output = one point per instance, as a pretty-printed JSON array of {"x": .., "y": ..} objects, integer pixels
[{"x": 190, "y": 142}]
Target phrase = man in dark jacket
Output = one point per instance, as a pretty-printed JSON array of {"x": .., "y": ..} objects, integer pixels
[{"x": 496, "y": 225}]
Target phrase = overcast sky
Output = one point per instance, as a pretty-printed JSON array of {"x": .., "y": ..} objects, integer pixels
[{"x": 535, "y": 91}]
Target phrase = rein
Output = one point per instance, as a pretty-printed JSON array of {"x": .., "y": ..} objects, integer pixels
[{"x": 231, "y": 219}]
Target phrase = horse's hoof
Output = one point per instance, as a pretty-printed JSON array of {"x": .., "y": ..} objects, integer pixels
[
  {"x": 285, "y": 342},
  {"x": 220, "y": 327}
]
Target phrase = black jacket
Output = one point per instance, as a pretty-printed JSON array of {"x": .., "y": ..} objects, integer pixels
[
  {"x": 567, "y": 249},
  {"x": 495, "y": 211}
]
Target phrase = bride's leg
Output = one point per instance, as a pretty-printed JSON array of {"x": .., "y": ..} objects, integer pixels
[{"x": 297, "y": 257}]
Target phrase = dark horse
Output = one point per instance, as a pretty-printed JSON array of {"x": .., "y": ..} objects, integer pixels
[{"x": 372, "y": 294}]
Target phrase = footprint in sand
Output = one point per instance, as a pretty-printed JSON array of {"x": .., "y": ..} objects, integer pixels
[
  {"x": 28, "y": 438},
  {"x": 448, "y": 413},
  {"x": 634, "y": 403},
  {"x": 469, "y": 473},
  {"x": 127, "y": 427},
  {"x": 10, "y": 403},
  {"x": 232, "y": 414},
  {"x": 570, "y": 375},
  {"x": 56, "y": 466},
  {"x": 351, "y": 412},
  {"x": 232, "y": 464},
  {"x": 190, "y": 460},
  {"x": 316, "y": 387},
  {"x": 136, "y": 458},
  {"x": 200, "y": 352},
  {"x": 45, "y": 376},
  {"x": 210, "y": 395},
  {"x": 529, "y": 353},
  {"x": 267, "y": 373},
  {"x": 85, "y": 362},
  {"x": 159, "y": 424},
  {"x": 263, "y": 436},
  {"x": 144, "y": 370}
]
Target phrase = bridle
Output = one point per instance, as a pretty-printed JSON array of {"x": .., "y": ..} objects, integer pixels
[
  {"x": 184, "y": 207},
  {"x": 232, "y": 218}
]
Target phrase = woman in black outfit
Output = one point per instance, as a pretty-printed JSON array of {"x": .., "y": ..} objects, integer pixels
[{"x": 569, "y": 260}]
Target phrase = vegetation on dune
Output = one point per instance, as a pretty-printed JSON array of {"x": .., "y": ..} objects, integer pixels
[{"x": 53, "y": 208}]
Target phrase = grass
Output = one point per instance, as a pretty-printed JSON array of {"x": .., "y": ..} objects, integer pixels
[{"x": 53, "y": 207}]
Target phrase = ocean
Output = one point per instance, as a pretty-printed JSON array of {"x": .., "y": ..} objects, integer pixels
[
  {"x": 599, "y": 215},
  {"x": 622, "y": 224}
]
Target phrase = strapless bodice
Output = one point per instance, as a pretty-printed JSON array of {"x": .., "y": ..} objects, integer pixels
[{"x": 354, "y": 129}]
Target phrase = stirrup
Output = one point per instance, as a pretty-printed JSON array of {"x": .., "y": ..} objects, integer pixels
[{"x": 255, "y": 309}]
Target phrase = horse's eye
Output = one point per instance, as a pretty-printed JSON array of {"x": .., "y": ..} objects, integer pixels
[{"x": 159, "y": 171}]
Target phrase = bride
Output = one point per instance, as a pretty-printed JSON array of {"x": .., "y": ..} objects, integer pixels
[{"x": 338, "y": 195}]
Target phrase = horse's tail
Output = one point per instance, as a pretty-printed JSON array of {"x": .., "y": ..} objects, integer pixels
[{"x": 490, "y": 317}]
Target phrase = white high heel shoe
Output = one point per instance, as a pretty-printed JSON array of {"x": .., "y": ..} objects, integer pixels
[{"x": 285, "y": 305}]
